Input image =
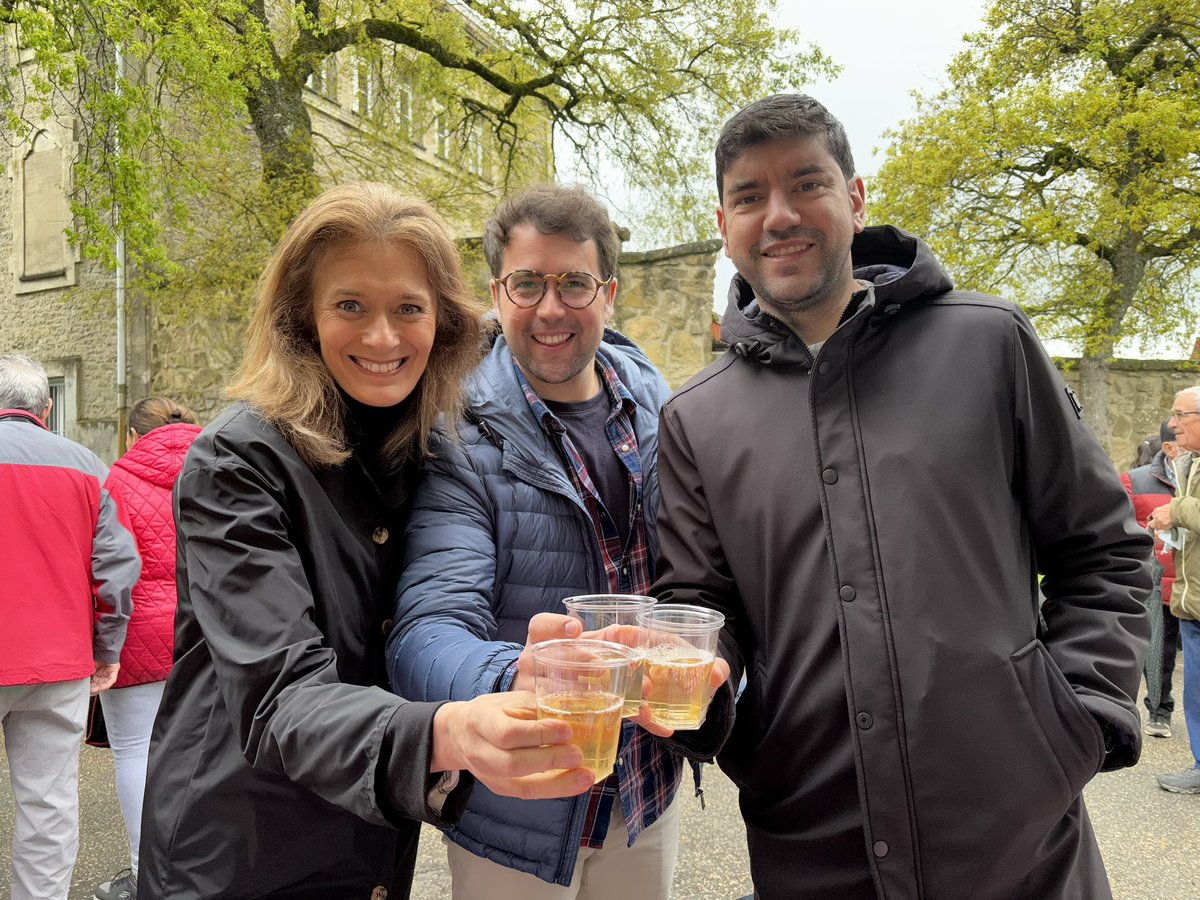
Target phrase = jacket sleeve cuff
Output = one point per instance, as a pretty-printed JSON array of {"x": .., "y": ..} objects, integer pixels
[{"x": 403, "y": 782}]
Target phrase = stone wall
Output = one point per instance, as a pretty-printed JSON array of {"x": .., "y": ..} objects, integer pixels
[
  {"x": 1140, "y": 392},
  {"x": 665, "y": 305}
]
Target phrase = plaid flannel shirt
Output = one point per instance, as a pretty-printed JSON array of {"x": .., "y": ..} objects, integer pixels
[{"x": 647, "y": 775}]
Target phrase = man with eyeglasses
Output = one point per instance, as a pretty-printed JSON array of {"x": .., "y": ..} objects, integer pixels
[
  {"x": 1181, "y": 519},
  {"x": 550, "y": 494}
]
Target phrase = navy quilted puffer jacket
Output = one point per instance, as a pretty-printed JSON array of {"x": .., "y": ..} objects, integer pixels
[{"x": 497, "y": 534}]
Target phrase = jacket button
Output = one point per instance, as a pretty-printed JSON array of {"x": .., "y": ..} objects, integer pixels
[
  {"x": 380, "y": 535},
  {"x": 847, "y": 593},
  {"x": 824, "y": 367},
  {"x": 380, "y": 893},
  {"x": 892, "y": 309},
  {"x": 386, "y": 627},
  {"x": 880, "y": 849},
  {"x": 829, "y": 476},
  {"x": 864, "y": 720},
  {"x": 624, "y": 448}
]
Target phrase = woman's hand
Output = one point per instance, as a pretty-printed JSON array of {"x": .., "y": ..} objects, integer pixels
[{"x": 499, "y": 739}]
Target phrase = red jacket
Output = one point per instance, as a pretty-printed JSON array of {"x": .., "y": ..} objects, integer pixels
[
  {"x": 61, "y": 543},
  {"x": 141, "y": 482},
  {"x": 1149, "y": 488}
]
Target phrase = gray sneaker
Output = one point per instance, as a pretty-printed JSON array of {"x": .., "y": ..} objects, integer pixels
[
  {"x": 1158, "y": 726},
  {"x": 122, "y": 887},
  {"x": 1181, "y": 783}
]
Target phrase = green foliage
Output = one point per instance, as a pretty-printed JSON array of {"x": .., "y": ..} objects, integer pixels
[
  {"x": 204, "y": 145},
  {"x": 1060, "y": 165}
]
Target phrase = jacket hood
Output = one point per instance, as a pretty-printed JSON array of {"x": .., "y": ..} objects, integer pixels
[
  {"x": 900, "y": 266},
  {"x": 157, "y": 456}
]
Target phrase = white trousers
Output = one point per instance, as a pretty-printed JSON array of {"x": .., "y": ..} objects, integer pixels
[
  {"x": 129, "y": 716},
  {"x": 43, "y": 728},
  {"x": 613, "y": 872}
]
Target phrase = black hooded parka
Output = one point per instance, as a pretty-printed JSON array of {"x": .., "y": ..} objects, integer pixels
[{"x": 872, "y": 519}]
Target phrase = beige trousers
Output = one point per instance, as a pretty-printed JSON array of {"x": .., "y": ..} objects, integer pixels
[{"x": 613, "y": 872}]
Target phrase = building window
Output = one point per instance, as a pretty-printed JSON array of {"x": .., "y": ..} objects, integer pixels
[
  {"x": 364, "y": 87},
  {"x": 57, "y": 421},
  {"x": 323, "y": 80},
  {"x": 475, "y": 150},
  {"x": 443, "y": 145},
  {"x": 403, "y": 110}
]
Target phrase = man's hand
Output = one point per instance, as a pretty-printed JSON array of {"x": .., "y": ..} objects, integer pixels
[
  {"x": 104, "y": 677},
  {"x": 542, "y": 627},
  {"x": 1160, "y": 519},
  {"x": 499, "y": 739},
  {"x": 717, "y": 677}
]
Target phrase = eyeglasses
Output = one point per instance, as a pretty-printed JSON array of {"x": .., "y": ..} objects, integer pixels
[
  {"x": 576, "y": 290},
  {"x": 1179, "y": 414}
]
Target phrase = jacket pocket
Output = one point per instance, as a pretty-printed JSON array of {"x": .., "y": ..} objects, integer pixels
[{"x": 1072, "y": 735}]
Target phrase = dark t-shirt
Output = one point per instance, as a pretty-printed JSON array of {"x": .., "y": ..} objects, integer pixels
[{"x": 585, "y": 424}]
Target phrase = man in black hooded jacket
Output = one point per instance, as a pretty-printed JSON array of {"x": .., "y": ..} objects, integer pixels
[{"x": 868, "y": 485}]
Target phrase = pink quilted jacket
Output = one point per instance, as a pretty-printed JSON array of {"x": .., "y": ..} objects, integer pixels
[{"x": 141, "y": 482}]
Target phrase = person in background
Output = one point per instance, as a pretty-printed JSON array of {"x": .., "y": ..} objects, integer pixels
[
  {"x": 552, "y": 493},
  {"x": 867, "y": 485},
  {"x": 1150, "y": 485},
  {"x": 1180, "y": 519},
  {"x": 64, "y": 552},
  {"x": 280, "y": 765},
  {"x": 1146, "y": 451},
  {"x": 160, "y": 432}
]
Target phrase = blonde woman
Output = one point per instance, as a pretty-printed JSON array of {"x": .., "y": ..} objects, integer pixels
[{"x": 279, "y": 766}]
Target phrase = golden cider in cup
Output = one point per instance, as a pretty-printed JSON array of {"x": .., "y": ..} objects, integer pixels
[
  {"x": 582, "y": 682},
  {"x": 595, "y": 720},
  {"x": 597, "y": 612},
  {"x": 677, "y": 693},
  {"x": 680, "y": 648}
]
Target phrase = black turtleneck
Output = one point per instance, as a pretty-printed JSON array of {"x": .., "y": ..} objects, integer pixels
[{"x": 368, "y": 428}]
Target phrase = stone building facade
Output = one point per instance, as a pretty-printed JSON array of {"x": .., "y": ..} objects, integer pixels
[{"x": 61, "y": 309}]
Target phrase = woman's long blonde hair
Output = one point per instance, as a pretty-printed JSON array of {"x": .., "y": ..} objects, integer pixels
[{"x": 282, "y": 374}]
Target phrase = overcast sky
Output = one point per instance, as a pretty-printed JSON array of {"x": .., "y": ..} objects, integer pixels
[{"x": 886, "y": 51}]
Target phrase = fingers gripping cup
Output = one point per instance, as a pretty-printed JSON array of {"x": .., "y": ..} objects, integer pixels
[
  {"x": 680, "y": 648},
  {"x": 582, "y": 682},
  {"x": 601, "y": 611}
]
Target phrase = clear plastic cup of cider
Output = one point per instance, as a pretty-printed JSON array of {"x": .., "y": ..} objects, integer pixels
[
  {"x": 582, "y": 682},
  {"x": 600, "y": 613},
  {"x": 680, "y": 646}
]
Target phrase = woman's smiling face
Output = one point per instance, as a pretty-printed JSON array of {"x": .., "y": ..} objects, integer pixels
[{"x": 375, "y": 313}]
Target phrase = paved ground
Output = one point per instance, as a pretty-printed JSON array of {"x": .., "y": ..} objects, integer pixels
[{"x": 1149, "y": 837}]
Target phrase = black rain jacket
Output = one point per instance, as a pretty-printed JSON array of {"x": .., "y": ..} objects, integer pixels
[
  {"x": 280, "y": 766},
  {"x": 872, "y": 522}
]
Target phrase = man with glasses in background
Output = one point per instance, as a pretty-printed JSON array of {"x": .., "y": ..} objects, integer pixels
[
  {"x": 550, "y": 494},
  {"x": 1181, "y": 518}
]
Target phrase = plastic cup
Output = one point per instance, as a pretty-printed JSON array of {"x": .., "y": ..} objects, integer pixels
[
  {"x": 680, "y": 648},
  {"x": 600, "y": 611},
  {"x": 582, "y": 682}
]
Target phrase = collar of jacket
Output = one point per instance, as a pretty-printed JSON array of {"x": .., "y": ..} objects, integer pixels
[
  {"x": 901, "y": 267},
  {"x": 493, "y": 394},
  {"x": 1158, "y": 468},
  {"x": 18, "y": 415},
  {"x": 496, "y": 405}
]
